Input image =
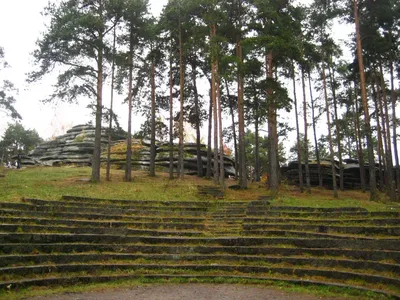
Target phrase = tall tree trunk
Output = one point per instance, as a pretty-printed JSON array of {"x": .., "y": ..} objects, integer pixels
[
  {"x": 382, "y": 140},
  {"x": 233, "y": 130},
  {"x": 171, "y": 119},
  {"x": 221, "y": 141},
  {"x": 363, "y": 180},
  {"x": 128, "y": 168},
  {"x": 328, "y": 118},
  {"x": 214, "y": 70},
  {"x": 257, "y": 144},
  {"x": 299, "y": 160},
  {"x": 181, "y": 76},
  {"x": 99, "y": 106},
  {"x": 197, "y": 109},
  {"x": 153, "y": 122},
  {"x": 378, "y": 124},
  {"x": 272, "y": 132},
  {"x": 320, "y": 183},
  {"x": 242, "y": 151},
  {"x": 386, "y": 134},
  {"x": 108, "y": 177},
  {"x": 307, "y": 168},
  {"x": 337, "y": 124},
  {"x": 370, "y": 144},
  {"x": 209, "y": 148},
  {"x": 393, "y": 98}
]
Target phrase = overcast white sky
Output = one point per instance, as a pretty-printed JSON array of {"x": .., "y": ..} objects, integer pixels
[{"x": 21, "y": 24}]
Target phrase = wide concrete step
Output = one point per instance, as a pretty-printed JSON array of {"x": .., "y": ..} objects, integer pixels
[
  {"x": 110, "y": 202},
  {"x": 346, "y": 243},
  {"x": 133, "y": 206},
  {"x": 252, "y": 206},
  {"x": 101, "y": 216},
  {"x": 63, "y": 258},
  {"x": 320, "y": 215},
  {"x": 357, "y": 230},
  {"x": 173, "y": 268},
  {"x": 115, "y": 211},
  {"x": 242, "y": 278},
  {"x": 151, "y": 223},
  {"x": 333, "y": 221},
  {"x": 278, "y": 250},
  {"x": 88, "y": 230}
]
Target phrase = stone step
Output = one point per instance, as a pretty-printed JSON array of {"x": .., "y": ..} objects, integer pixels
[
  {"x": 306, "y": 208},
  {"x": 85, "y": 279},
  {"x": 62, "y": 258},
  {"x": 158, "y": 268},
  {"x": 184, "y": 224},
  {"x": 344, "y": 242},
  {"x": 134, "y": 202},
  {"x": 323, "y": 214},
  {"x": 279, "y": 250},
  {"x": 102, "y": 217},
  {"x": 109, "y": 210},
  {"x": 19, "y": 228},
  {"x": 362, "y": 230},
  {"x": 337, "y": 221},
  {"x": 134, "y": 206}
]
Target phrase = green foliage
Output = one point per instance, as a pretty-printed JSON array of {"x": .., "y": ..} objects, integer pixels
[
  {"x": 7, "y": 91},
  {"x": 263, "y": 146},
  {"x": 17, "y": 139}
]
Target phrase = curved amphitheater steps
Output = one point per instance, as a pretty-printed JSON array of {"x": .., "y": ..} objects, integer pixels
[{"x": 80, "y": 240}]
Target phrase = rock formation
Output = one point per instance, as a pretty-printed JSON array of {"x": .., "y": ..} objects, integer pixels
[
  {"x": 141, "y": 157},
  {"x": 76, "y": 148}
]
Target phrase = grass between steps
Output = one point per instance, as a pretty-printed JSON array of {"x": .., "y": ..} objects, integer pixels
[
  {"x": 139, "y": 278},
  {"x": 53, "y": 182}
]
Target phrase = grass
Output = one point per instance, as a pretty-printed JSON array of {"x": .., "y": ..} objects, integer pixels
[
  {"x": 51, "y": 183},
  {"x": 296, "y": 289}
]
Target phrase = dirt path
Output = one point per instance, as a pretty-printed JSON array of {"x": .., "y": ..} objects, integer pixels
[{"x": 187, "y": 291}]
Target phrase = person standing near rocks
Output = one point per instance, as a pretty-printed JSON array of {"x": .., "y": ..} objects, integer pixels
[{"x": 19, "y": 161}]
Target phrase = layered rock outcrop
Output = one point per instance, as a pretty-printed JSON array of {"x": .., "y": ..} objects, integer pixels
[
  {"x": 76, "y": 148},
  {"x": 141, "y": 157}
]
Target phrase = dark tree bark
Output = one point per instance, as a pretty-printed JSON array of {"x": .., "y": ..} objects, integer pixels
[
  {"x": 272, "y": 132},
  {"x": 387, "y": 138},
  {"x": 307, "y": 169},
  {"x": 315, "y": 132},
  {"x": 214, "y": 70},
  {"x": 393, "y": 97},
  {"x": 153, "y": 122},
  {"x": 233, "y": 130},
  {"x": 299, "y": 160},
  {"x": 375, "y": 92},
  {"x": 382, "y": 129},
  {"x": 257, "y": 144},
  {"x": 370, "y": 144},
  {"x": 242, "y": 151},
  {"x": 328, "y": 118},
  {"x": 99, "y": 105},
  {"x": 337, "y": 125},
  {"x": 171, "y": 120},
  {"x": 108, "y": 177},
  {"x": 360, "y": 148},
  {"x": 128, "y": 167},
  {"x": 181, "y": 97},
  {"x": 209, "y": 148},
  {"x": 197, "y": 109},
  {"x": 221, "y": 141}
]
